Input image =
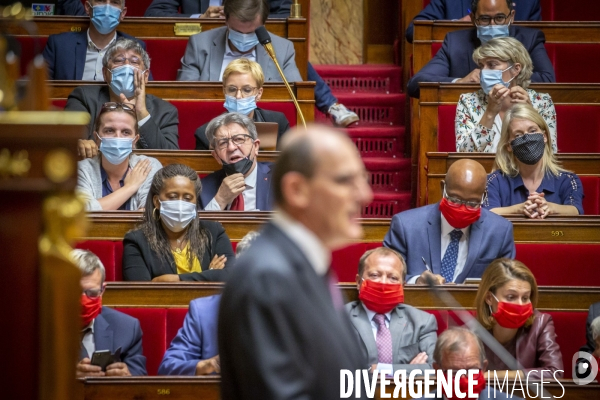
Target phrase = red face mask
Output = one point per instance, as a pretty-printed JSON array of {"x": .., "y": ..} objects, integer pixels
[
  {"x": 512, "y": 316},
  {"x": 90, "y": 308},
  {"x": 459, "y": 217},
  {"x": 480, "y": 384},
  {"x": 381, "y": 297}
]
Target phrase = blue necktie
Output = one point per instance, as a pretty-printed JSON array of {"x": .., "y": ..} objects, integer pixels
[{"x": 449, "y": 260}]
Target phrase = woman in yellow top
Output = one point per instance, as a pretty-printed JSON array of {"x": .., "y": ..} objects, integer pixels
[{"x": 172, "y": 243}]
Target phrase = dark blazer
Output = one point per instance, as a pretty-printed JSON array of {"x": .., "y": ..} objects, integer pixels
[
  {"x": 159, "y": 132},
  {"x": 525, "y": 10},
  {"x": 416, "y": 233},
  {"x": 260, "y": 115},
  {"x": 280, "y": 336},
  {"x": 113, "y": 329},
  {"x": 65, "y": 54},
  {"x": 264, "y": 196},
  {"x": 413, "y": 331},
  {"x": 536, "y": 349},
  {"x": 590, "y": 344},
  {"x": 140, "y": 263},
  {"x": 196, "y": 340},
  {"x": 455, "y": 58},
  {"x": 170, "y": 8},
  {"x": 70, "y": 7}
]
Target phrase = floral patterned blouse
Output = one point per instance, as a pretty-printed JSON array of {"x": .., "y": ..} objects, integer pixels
[{"x": 473, "y": 137}]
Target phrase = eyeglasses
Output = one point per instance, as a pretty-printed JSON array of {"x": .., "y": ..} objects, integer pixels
[
  {"x": 485, "y": 20},
  {"x": 470, "y": 205},
  {"x": 237, "y": 140},
  {"x": 111, "y": 105},
  {"x": 120, "y": 60},
  {"x": 93, "y": 293},
  {"x": 246, "y": 91}
]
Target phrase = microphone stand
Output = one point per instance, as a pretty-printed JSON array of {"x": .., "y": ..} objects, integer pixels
[{"x": 271, "y": 52}]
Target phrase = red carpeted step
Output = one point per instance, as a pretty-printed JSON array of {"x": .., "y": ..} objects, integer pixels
[
  {"x": 386, "y": 205},
  {"x": 373, "y": 109},
  {"x": 379, "y": 141},
  {"x": 388, "y": 174},
  {"x": 371, "y": 78}
]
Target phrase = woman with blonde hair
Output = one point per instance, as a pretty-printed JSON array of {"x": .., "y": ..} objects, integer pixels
[
  {"x": 505, "y": 302},
  {"x": 506, "y": 69},
  {"x": 527, "y": 178},
  {"x": 243, "y": 81}
]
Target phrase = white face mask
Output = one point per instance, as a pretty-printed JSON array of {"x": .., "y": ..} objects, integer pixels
[{"x": 177, "y": 214}]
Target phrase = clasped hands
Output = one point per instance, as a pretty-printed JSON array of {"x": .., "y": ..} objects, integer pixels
[{"x": 536, "y": 206}]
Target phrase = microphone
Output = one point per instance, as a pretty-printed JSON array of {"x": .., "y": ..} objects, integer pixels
[{"x": 265, "y": 40}]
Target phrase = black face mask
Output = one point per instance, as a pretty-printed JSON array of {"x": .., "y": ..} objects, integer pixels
[
  {"x": 529, "y": 148},
  {"x": 241, "y": 167}
]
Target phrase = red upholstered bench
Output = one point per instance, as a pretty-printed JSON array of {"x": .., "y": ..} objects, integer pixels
[
  {"x": 30, "y": 46},
  {"x": 561, "y": 264},
  {"x": 110, "y": 253},
  {"x": 561, "y": 10},
  {"x": 570, "y": 335},
  {"x": 165, "y": 56},
  {"x": 345, "y": 261},
  {"x": 572, "y": 61},
  {"x": 591, "y": 189}
]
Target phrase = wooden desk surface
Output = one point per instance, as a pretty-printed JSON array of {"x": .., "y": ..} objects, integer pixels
[{"x": 179, "y": 295}]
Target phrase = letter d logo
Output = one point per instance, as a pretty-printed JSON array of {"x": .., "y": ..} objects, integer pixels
[{"x": 585, "y": 368}]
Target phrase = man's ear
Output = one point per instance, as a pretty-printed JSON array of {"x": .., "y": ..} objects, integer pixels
[
  {"x": 255, "y": 149},
  {"x": 123, "y": 12},
  {"x": 472, "y": 15},
  {"x": 442, "y": 184},
  {"x": 511, "y": 18},
  {"x": 88, "y": 9},
  {"x": 358, "y": 282},
  {"x": 296, "y": 191},
  {"x": 135, "y": 140},
  {"x": 97, "y": 139},
  {"x": 106, "y": 74}
]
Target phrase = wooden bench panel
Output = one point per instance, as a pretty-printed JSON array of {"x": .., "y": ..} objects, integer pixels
[{"x": 295, "y": 30}]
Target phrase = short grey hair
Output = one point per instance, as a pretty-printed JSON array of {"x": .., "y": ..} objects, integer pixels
[
  {"x": 126, "y": 44},
  {"x": 230, "y": 118},
  {"x": 454, "y": 340},
  {"x": 244, "y": 244},
  {"x": 595, "y": 328},
  {"x": 87, "y": 262}
]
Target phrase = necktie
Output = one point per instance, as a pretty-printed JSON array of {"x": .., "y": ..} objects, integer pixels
[
  {"x": 384, "y": 340},
  {"x": 82, "y": 350},
  {"x": 449, "y": 260},
  {"x": 238, "y": 203}
]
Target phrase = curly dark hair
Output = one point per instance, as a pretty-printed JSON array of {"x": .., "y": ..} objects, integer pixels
[{"x": 152, "y": 228}]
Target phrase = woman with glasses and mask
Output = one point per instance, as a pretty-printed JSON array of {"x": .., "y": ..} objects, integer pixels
[
  {"x": 506, "y": 69},
  {"x": 505, "y": 303},
  {"x": 243, "y": 87},
  {"x": 527, "y": 178},
  {"x": 116, "y": 179},
  {"x": 172, "y": 244}
]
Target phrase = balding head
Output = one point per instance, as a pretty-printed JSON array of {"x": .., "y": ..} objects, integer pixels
[
  {"x": 466, "y": 180},
  {"x": 459, "y": 348},
  {"x": 320, "y": 180}
]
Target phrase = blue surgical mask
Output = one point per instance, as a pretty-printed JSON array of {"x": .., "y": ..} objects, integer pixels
[
  {"x": 485, "y": 33},
  {"x": 245, "y": 105},
  {"x": 177, "y": 214},
  {"x": 122, "y": 80},
  {"x": 491, "y": 77},
  {"x": 105, "y": 18},
  {"x": 243, "y": 41},
  {"x": 115, "y": 150}
]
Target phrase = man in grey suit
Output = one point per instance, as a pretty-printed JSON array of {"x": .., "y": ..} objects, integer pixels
[
  {"x": 283, "y": 331},
  {"x": 459, "y": 348},
  {"x": 456, "y": 238},
  {"x": 394, "y": 335},
  {"x": 125, "y": 68}
]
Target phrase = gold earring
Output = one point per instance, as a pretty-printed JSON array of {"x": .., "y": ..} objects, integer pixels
[{"x": 154, "y": 214}]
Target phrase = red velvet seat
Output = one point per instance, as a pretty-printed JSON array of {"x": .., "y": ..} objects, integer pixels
[
  {"x": 154, "y": 339},
  {"x": 175, "y": 317},
  {"x": 110, "y": 253},
  {"x": 561, "y": 264},
  {"x": 165, "y": 56},
  {"x": 561, "y": 10},
  {"x": 570, "y": 335},
  {"x": 591, "y": 189},
  {"x": 345, "y": 261}
]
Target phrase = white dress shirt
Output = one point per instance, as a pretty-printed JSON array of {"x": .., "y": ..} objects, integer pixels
[
  {"x": 249, "y": 195},
  {"x": 93, "y": 59},
  {"x": 309, "y": 244},
  {"x": 231, "y": 55},
  {"x": 463, "y": 248},
  {"x": 88, "y": 340},
  {"x": 388, "y": 318}
]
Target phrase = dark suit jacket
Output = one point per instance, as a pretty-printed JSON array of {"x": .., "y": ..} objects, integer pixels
[
  {"x": 264, "y": 196},
  {"x": 413, "y": 331},
  {"x": 455, "y": 58},
  {"x": 594, "y": 313},
  {"x": 140, "y": 263},
  {"x": 159, "y": 132},
  {"x": 536, "y": 349},
  {"x": 416, "y": 233},
  {"x": 525, "y": 10},
  {"x": 113, "y": 329},
  {"x": 65, "y": 54},
  {"x": 170, "y": 8},
  {"x": 70, "y": 7},
  {"x": 260, "y": 115},
  {"x": 196, "y": 340},
  {"x": 280, "y": 336}
]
